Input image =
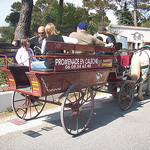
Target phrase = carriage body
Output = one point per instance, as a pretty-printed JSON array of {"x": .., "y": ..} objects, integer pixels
[
  {"x": 68, "y": 69},
  {"x": 73, "y": 75}
]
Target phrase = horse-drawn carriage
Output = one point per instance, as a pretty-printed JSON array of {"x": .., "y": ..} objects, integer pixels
[{"x": 76, "y": 77}]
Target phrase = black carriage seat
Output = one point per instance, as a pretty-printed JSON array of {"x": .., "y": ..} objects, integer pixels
[
  {"x": 42, "y": 70},
  {"x": 18, "y": 73},
  {"x": 9, "y": 66},
  {"x": 121, "y": 71}
]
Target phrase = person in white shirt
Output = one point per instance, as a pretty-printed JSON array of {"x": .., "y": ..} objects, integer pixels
[
  {"x": 102, "y": 33},
  {"x": 24, "y": 53}
]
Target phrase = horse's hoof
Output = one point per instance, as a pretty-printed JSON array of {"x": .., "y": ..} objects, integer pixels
[
  {"x": 140, "y": 98},
  {"x": 147, "y": 94}
]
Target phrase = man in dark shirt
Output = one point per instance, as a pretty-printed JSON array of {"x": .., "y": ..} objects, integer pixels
[{"x": 36, "y": 41}]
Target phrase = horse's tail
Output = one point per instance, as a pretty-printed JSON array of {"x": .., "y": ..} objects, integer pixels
[{"x": 135, "y": 68}]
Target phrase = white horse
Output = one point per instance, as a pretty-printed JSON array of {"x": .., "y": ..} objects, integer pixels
[{"x": 139, "y": 68}]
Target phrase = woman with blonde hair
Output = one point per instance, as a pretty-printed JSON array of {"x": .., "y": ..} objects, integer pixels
[{"x": 52, "y": 35}]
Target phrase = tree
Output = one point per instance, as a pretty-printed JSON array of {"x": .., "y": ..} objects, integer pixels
[
  {"x": 102, "y": 5},
  {"x": 141, "y": 7},
  {"x": 45, "y": 12},
  {"x": 23, "y": 26},
  {"x": 61, "y": 10},
  {"x": 135, "y": 13},
  {"x": 13, "y": 17},
  {"x": 125, "y": 16},
  {"x": 95, "y": 22},
  {"x": 6, "y": 33}
]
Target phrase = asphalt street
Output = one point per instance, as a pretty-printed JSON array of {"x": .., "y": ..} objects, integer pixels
[{"x": 109, "y": 129}]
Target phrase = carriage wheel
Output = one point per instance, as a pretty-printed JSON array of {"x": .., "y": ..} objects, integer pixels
[
  {"x": 126, "y": 95},
  {"x": 26, "y": 106},
  {"x": 77, "y": 108}
]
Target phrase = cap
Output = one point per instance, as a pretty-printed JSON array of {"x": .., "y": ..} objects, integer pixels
[
  {"x": 82, "y": 25},
  {"x": 108, "y": 40}
]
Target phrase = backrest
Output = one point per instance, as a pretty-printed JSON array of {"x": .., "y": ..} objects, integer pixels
[
  {"x": 77, "y": 47},
  {"x": 6, "y": 49}
]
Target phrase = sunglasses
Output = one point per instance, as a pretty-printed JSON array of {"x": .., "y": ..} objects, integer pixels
[{"x": 41, "y": 32}]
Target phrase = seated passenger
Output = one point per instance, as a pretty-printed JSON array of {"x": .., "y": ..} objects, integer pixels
[
  {"x": 102, "y": 33},
  {"x": 36, "y": 41},
  {"x": 109, "y": 42},
  {"x": 52, "y": 35},
  {"x": 84, "y": 38},
  {"x": 24, "y": 53}
]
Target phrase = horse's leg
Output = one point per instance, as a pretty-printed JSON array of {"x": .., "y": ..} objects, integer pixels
[
  {"x": 140, "y": 94},
  {"x": 148, "y": 87}
]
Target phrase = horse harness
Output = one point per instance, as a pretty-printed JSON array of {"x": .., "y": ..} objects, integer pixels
[{"x": 143, "y": 50}]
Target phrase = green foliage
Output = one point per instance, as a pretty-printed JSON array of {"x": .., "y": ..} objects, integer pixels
[
  {"x": 7, "y": 33},
  {"x": 2, "y": 76},
  {"x": 125, "y": 17},
  {"x": 65, "y": 18},
  {"x": 13, "y": 18},
  {"x": 3, "y": 79},
  {"x": 146, "y": 23},
  {"x": 66, "y": 22},
  {"x": 9, "y": 109},
  {"x": 16, "y": 7},
  {"x": 101, "y": 5},
  {"x": 96, "y": 22}
]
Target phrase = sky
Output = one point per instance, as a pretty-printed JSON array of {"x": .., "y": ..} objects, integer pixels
[{"x": 6, "y": 6}]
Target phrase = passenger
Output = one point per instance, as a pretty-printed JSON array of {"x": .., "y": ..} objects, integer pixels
[
  {"x": 102, "y": 33},
  {"x": 84, "y": 38},
  {"x": 36, "y": 41},
  {"x": 52, "y": 35},
  {"x": 23, "y": 53},
  {"x": 109, "y": 42}
]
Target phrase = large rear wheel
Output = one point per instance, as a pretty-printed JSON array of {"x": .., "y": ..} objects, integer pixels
[{"x": 77, "y": 108}]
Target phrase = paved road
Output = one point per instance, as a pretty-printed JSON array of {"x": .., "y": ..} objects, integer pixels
[{"x": 110, "y": 129}]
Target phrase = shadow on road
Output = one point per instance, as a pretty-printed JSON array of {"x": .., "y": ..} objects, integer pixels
[{"x": 106, "y": 110}]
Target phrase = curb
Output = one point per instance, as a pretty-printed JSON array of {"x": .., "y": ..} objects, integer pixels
[{"x": 5, "y": 100}]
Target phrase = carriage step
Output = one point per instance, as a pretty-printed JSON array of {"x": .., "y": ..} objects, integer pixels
[{"x": 22, "y": 107}]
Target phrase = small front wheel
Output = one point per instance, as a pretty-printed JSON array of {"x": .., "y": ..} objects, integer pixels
[
  {"x": 77, "y": 108},
  {"x": 126, "y": 95},
  {"x": 27, "y": 107}
]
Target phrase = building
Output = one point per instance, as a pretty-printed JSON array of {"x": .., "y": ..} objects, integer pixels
[{"x": 136, "y": 36}]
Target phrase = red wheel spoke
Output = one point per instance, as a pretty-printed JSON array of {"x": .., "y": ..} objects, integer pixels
[
  {"x": 77, "y": 125},
  {"x": 85, "y": 107},
  {"x": 82, "y": 118},
  {"x": 70, "y": 116},
  {"x": 70, "y": 101},
  {"x": 73, "y": 123},
  {"x": 85, "y": 114}
]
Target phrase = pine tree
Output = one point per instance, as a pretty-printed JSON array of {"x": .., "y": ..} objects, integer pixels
[
  {"x": 100, "y": 5},
  {"x": 125, "y": 17},
  {"x": 23, "y": 26}
]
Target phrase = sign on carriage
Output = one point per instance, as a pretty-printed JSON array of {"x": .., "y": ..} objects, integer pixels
[{"x": 81, "y": 63}]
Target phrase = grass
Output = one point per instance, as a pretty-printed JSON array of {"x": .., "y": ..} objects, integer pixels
[
  {"x": 10, "y": 112},
  {"x": 3, "y": 79}
]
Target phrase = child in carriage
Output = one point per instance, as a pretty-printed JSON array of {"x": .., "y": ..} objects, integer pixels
[{"x": 23, "y": 53}]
